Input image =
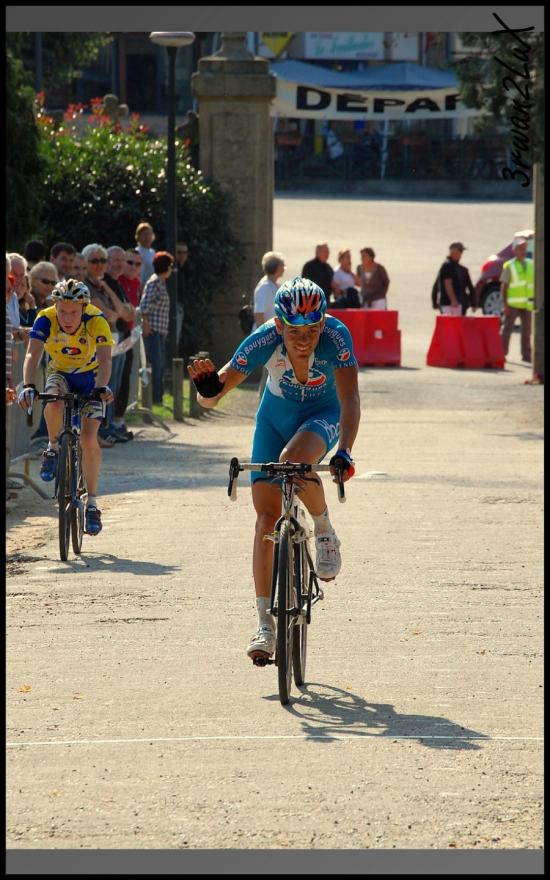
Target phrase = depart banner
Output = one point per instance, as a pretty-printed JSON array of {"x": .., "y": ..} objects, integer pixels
[{"x": 315, "y": 102}]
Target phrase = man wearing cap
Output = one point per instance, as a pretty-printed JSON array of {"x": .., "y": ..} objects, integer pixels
[
  {"x": 455, "y": 285},
  {"x": 516, "y": 284}
]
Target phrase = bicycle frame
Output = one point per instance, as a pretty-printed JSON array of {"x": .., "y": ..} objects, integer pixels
[
  {"x": 72, "y": 427},
  {"x": 288, "y": 471}
]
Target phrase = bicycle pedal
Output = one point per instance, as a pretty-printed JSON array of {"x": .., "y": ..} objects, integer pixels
[{"x": 261, "y": 659}]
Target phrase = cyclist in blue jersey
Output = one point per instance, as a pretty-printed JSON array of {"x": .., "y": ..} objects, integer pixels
[{"x": 310, "y": 404}]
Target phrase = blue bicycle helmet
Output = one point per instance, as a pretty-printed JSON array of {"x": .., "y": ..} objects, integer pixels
[{"x": 300, "y": 301}]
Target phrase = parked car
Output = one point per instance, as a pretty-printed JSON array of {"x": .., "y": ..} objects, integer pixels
[{"x": 487, "y": 289}]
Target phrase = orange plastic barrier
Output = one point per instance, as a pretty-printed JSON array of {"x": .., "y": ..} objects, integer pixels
[
  {"x": 466, "y": 342},
  {"x": 376, "y": 339}
]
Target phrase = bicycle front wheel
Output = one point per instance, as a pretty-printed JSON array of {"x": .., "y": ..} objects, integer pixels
[
  {"x": 64, "y": 496},
  {"x": 285, "y": 618},
  {"x": 299, "y": 632},
  {"x": 77, "y": 505}
]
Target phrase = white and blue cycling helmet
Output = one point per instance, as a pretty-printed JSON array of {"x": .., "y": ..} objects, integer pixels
[{"x": 300, "y": 301}]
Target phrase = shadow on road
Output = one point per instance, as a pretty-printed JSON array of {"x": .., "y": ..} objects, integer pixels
[
  {"x": 110, "y": 563},
  {"x": 326, "y": 712}
]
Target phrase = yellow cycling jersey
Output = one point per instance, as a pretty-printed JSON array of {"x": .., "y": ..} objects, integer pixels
[{"x": 72, "y": 352}]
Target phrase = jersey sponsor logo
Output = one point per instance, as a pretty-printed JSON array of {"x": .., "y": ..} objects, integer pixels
[
  {"x": 71, "y": 349},
  {"x": 315, "y": 379},
  {"x": 344, "y": 355},
  {"x": 241, "y": 359}
]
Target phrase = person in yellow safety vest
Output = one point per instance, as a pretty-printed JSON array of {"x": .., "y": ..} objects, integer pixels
[{"x": 517, "y": 286}]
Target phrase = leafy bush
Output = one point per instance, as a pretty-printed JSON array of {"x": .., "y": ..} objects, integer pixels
[{"x": 103, "y": 179}]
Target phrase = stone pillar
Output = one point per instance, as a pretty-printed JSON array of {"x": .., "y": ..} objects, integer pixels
[{"x": 235, "y": 91}]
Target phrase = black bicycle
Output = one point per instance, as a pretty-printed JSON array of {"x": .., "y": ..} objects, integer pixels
[
  {"x": 294, "y": 584},
  {"x": 70, "y": 485}
]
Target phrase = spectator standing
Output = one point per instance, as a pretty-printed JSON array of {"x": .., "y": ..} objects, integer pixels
[
  {"x": 62, "y": 255},
  {"x": 319, "y": 270},
  {"x": 374, "y": 280},
  {"x": 18, "y": 271},
  {"x": 273, "y": 267},
  {"x": 155, "y": 312},
  {"x": 34, "y": 252},
  {"x": 120, "y": 377},
  {"x": 517, "y": 286},
  {"x": 456, "y": 291},
  {"x": 145, "y": 237},
  {"x": 182, "y": 279},
  {"x": 27, "y": 304},
  {"x": 79, "y": 268},
  {"x": 130, "y": 279},
  {"x": 103, "y": 298},
  {"x": 345, "y": 295},
  {"x": 12, "y": 301},
  {"x": 43, "y": 278}
]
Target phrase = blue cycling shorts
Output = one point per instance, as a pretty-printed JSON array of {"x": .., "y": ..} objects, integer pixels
[
  {"x": 278, "y": 420},
  {"x": 58, "y": 382}
]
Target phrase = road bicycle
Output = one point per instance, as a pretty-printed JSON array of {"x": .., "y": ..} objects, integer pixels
[
  {"x": 70, "y": 485},
  {"x": 294, "y": 585}
]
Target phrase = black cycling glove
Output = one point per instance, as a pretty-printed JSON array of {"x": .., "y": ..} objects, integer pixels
[
  {"x": 209, "y": 386},
  {"x": 346, "y": 460}
]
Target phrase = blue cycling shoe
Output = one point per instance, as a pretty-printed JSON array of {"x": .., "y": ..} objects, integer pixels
[
  {"x": 48, "y": 468},
  {"x": 93, "y": 521}
]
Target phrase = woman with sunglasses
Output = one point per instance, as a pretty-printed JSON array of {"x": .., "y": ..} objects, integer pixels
[
  {"x": 103, "y": 298},
  {"x": 43, "y": 278}
]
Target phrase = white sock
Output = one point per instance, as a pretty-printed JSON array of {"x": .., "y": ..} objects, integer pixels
[
  {"x": 91, "y": 501},
  {"x": 53, "y": 445},
  {"x": 322, "y": 524},
  {"x": 262, "y": 607}
]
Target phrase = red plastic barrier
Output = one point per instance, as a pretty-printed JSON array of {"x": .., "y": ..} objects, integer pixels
[
  {"x": 466, "y": 342},
  {"x": 376, "y": 339}
]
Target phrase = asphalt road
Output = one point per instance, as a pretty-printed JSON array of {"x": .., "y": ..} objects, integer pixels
[{"x": 135, "y": 719}]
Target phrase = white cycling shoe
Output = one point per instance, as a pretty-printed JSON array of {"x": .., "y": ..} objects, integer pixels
[
  {"x": 263, "y": 642},
  {"x": 328, "y": 561}
]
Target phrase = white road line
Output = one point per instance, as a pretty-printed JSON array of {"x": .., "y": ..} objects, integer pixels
[{"x": 304, "y": 736}]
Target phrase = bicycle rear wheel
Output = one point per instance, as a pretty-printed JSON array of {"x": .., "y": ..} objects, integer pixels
[
  {"x": 77, "y": 513},
  {"x": 285, "y": 620},
  {"x": 64, "y": 496},
  {"x": 299, "y": 632}
]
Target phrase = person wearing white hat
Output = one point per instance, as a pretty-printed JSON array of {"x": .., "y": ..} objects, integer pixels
[{"x": 517, "y": 286}]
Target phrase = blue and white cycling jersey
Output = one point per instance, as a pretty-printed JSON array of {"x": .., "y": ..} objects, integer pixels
[
  {"x": 265, "y": 346},
  {"x": 287, "y": 406}
]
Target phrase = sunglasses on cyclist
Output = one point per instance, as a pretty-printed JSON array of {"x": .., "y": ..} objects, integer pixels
[
  {"x": 133, "y": 262},
  {"x": 97, "y": 260},
  {"x": 48, "y": 281}
]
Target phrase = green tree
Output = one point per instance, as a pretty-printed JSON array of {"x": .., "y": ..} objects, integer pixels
[
  {"x": 25, "y": 165},
  {"x": 103, "y": 179},
  {"x": 64, "y": 55},
  {"x": 504, "y": 76}
]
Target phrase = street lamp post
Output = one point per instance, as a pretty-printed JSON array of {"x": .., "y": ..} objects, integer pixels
[{"x": 172, "y": 40}]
